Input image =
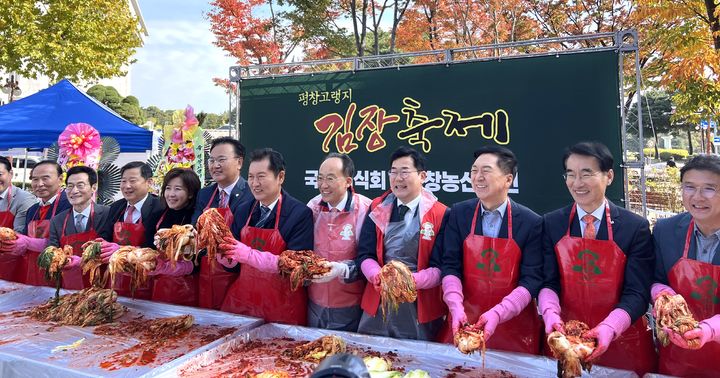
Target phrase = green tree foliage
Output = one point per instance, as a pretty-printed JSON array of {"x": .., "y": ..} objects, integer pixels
[
  {"x": 128, "y": 107},
  {"x": 73, "y": 39}
]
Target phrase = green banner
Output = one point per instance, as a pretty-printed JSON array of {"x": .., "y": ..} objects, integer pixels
[{"x": 534, "y": 106}]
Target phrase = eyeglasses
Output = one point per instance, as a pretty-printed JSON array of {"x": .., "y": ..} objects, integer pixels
[
  {"x": 583, "y": 177},
  {"x": 220, "y": 160},
  {"x": 402, "y": 174},
  {"x": 707, "y": 192},
  {"x": 80, "y": 186},
  {"x": 329, "y": 180}
]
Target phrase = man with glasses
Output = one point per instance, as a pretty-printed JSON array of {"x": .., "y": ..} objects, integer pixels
[
  {"x": 404, "y": 224},
  {"x": 492, "y": 259},
  {"x": 338, "y": 213},
  {"x": 227, "y": 194},
  {"x": 688, "y": 264},
  {"x": 85, "y": 221},
  {"x": 598, "y": 262}
]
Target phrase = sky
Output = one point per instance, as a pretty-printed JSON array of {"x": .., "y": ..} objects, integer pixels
[{"x": 176, "y": 65}]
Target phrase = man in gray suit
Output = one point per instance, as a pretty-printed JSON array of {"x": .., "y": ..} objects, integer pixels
[
  {"x": 83, "y": 222},
  {"x": 14, "y": 202}
]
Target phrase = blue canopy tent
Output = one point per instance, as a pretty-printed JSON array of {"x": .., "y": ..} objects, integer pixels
[{"x": 35, "y": 122}]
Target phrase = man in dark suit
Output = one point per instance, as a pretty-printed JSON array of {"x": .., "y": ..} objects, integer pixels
[
  {"x": 85, "y": 221},
  {"x": 274, "y": 222},
  {"x": 503, "y": 288},
  {"x": 229, "y": 190},
  {"x": 598, "y": 261},
  {"x": 406, "y": 225},
  {"x": 688, "y": 264}
]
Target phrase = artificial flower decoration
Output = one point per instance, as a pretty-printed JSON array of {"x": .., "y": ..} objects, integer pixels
[{"x": 79, "y": 144}]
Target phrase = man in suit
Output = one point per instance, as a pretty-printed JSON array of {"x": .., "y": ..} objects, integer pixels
[
  {"x": 275, "y": 222},
  {"x": 492, "y": 258},
  {"x": 229, "y": 190},
  {"x": 14, "y": 203},
  {"x": 405, "y": 224},
  {"x": 688, "y": 264},
  {"x": 46, "y": 180},
  {"x": 598, "y": 261},
  {"x": 131, "y": 221},
  {"x": 229, "y": 195},
  {"x": 83, "y": 222}
]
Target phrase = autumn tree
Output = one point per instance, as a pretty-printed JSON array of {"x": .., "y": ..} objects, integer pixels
[{"x": 74, "y": 39}]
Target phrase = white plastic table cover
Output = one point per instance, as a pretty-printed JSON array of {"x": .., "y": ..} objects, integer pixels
[
  {"x": 26, "y": 346},
  {"x": 434, "y": 358}
]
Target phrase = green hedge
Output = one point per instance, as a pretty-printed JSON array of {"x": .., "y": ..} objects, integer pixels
[{"x": 665, "y": 153}]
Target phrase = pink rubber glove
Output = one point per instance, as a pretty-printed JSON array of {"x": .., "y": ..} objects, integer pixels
[
  {"x": 507, "y": 309},
  {"x": 656, "y": 290},
  {"x": 371, "y": 270},
  {"x": 107, "y": 249},
  {"x": 427, "y": 278},
  {"x": 614, "y": 325},
  {"x": 164, "y": 267},
  {"x": 677, "y": 338},
  {"x": 708, "y": 330},
  {"x": 19, "y": 246},
  {"x": 260, "y": 260},
  {"x": 549, "y": 304},
  {"x": 74, "y": 263},
  {"x": 453, "y": 297}
]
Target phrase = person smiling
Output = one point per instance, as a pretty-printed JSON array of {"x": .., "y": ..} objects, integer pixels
[
  {"x": 228, "y": 194},
  {"x": 405, "y": 224},
  {"x": 274, "y": 222},
  {"x": 14, "y": 204},
  {"x": 492, "y": 258},
  {"x": 688, "y": 263},
  {"x": 83, "y": 222},
  {"x": 598, "y": 263},
  {"x": 176, "y": 284}
]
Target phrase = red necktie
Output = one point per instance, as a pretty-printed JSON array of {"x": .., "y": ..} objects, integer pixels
[
  {"x": 129, "y": 214},
  {"x": 223, "y": 199},
  {"x": 589, "y": 220},
  {"x": 43, "y": 211}
]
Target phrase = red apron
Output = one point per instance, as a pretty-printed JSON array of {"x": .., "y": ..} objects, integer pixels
[
  {"x": 591, "y": 279},
  {"x": 39, "y": 227},
  {"x": 10, "y": 265},
  {"x": 697, "y": 282},
  {"x": 266, "y": 295},
  {"x": 130, "y": 234},
  {"x": 335, "y": 239},
  {"x": 179, "y": 290},
  {"x": 215, "y": 281},
  {"x": 491, "y": 270},
  {"x": 73, "y": 279}
]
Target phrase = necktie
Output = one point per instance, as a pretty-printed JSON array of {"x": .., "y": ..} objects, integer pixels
[
  {"x": 223, "y": 199},
  {"x": 264, "y": 216},
  {"x": 402, "y": 210},
  {"x": 43, "y": 211},
  {"x": 79, "y": 223},
  {"x": 129, "y": 214},
  {"x": 589, "y": 220}
]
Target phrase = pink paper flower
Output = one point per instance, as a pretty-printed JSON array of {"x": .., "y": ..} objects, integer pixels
[{"x": 80, "y": 139}]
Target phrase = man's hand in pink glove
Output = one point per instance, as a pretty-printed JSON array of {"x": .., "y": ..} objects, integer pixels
[
  {"x": 489, "y": 322},
  {"x": 74, "y": 263},
  {"x": 107, "y": 249},
  {"x": 453, "y": 297},
  {"x": 371, "y": 270},
  {"x": 549, "y": 305},
  {"x": 427, "y": 278},
  {"x": 708, "y": 330},
  {"x": 16, "y": 247},
  {"x": 164, "y": 267},
  {"x": 677, "y": 338},
  {"x": 656, "y": 290},
  {"x": 234, "y": 250},
  {"x": 604, "y": 335}
]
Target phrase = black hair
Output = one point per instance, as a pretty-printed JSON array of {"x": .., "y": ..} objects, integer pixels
[
  {"x": 190, "y": 181},
  {"x": 506, "y": 159},
  {"x": 277, "y": 163},
  {"x": 6, "y": 162},
  {"x": 54, "y": 163},
  {"x": 237, "y": 146},
  {"x": 348, "y": 167},
  {"x": 592, "y": 149},
  {"x": 702, "y": 162},
  {"x": 145, "y": 170},
  {"x": 92, "y": 174},
  {"x": 418, "y": 159}
]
